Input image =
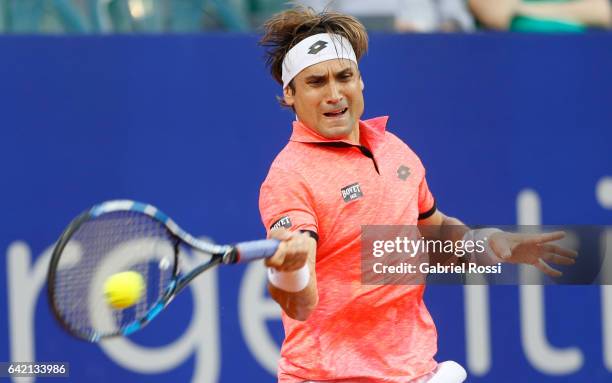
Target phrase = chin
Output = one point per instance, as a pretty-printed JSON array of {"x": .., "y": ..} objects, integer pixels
[{"x": 336, "y": 132}]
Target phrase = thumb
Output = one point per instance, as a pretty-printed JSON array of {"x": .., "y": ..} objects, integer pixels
[{"x": 278, "y": 258}]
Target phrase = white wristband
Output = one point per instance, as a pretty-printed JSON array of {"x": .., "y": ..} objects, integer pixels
[
  {"x": 488, "y": 257},
  {"x": 290, "y": 281}
]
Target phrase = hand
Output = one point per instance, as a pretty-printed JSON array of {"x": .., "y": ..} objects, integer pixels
[
  {"x": 293, "y": 251},
  {"x": 532, "y": 249}
]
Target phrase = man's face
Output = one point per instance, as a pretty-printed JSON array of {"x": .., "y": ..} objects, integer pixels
[{"x": 328, "y": 98}]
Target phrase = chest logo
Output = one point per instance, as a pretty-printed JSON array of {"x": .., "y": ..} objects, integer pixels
[
  {"x": 282, "y": 222},
  {"x": 403, "y": 172},
  {"x": 351, "y": 192}
]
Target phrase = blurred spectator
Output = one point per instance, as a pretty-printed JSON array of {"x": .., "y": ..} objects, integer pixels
[
  {"x": 433, "y": 15},
  {"x": 125, "y": 16},
  {"x": 192, "y": 16},
  {"x": 33, "y": 16},
  {"x": 404, "y": 15},
  {"x": 543, "y": 15}
]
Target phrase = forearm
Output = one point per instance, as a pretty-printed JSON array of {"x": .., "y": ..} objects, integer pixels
[
  {"x": 470, "y": 245},
  {"x": 589, "y": 12},
  {"x": 451, "y": 229},
  {"x": 474, "y": 247},
  {"x": 292, "y": 286},
  {"x": 298, "y": 305},
  {"x": 443, "y": 228}
]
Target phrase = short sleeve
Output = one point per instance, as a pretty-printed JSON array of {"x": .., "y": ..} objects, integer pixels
[
  {"x": 427, "y": 203},
  {"x": 285, "y": 201}
]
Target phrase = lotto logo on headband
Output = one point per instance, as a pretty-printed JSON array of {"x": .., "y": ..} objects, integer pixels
[
  {"x": 317, "y": 47},
  {"x": 311, "y": 51}
]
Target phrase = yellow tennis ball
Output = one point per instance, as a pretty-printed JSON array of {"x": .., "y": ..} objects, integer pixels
[{"x": 123, "y": 290}]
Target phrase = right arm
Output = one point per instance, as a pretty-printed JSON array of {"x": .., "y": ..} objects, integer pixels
[
  {"x": 295, "y": 250},
  {"x": 286, "y": 204}
]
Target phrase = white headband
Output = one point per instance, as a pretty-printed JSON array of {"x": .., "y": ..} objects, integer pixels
[{"x": 313, "y": 50}]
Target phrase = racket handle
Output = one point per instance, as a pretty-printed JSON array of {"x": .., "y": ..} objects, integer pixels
[{"x": 253, "y": 250}]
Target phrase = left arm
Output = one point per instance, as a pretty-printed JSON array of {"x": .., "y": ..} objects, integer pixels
[
  {"x": 441, "y": 227},
  {"x": 532, "y": 249}
]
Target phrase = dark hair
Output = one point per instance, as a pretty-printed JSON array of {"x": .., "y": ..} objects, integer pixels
[{"x": 285, "y": 29}]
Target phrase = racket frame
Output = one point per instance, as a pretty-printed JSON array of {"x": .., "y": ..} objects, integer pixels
[{"x": 226, "y": 254}]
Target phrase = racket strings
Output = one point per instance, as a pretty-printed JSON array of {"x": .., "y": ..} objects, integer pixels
[{"x": 102, "y": 247}]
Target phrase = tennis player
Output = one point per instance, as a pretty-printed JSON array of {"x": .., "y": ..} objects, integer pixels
[{"x": 336, "y": 173}]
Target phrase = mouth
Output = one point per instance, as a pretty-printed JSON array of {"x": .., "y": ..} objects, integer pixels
[{"x": 336, "y": 113}]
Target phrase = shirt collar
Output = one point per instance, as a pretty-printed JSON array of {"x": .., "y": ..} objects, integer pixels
[{"x": 371, "y": 133}]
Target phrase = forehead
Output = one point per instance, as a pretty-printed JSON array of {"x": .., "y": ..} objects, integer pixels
[{"x": 325, "y": 67}]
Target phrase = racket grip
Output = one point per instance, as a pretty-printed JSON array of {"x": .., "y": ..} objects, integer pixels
[{"x": 253, "y": 250}]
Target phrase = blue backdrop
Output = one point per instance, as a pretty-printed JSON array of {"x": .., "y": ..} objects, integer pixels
[{"x": 511, "y": 128}]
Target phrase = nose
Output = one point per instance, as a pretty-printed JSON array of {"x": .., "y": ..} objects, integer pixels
[{"x": 334, "y": 93}]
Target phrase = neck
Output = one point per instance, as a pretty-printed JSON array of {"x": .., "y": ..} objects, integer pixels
[{"x": 353, "y": 136}]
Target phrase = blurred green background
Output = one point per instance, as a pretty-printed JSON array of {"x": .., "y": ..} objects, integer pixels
[{"x": 133, "y": 16}]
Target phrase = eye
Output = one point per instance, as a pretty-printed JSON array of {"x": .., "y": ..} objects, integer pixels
[{"x": 318, "y": 82}]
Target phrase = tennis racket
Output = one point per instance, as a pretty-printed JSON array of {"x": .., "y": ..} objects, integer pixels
[{"x": 122, "y": 235}]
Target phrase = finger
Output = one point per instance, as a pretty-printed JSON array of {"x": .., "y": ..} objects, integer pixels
[
  {"x": 558, "y": 259},
  {"x": 275, "y": 261},
  {"x": 289, "y": 256},
  {"x": 546, "y": 269},
  {"x": 500, "y": 247},
  {"x": 278, "y": 258},
  {"x": 546, "y": 237},
  {"x": 565, "y": 252}
]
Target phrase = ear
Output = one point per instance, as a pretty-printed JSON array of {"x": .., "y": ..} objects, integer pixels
[
  {"x": 288, "y": 96},
  {"x": 361, "y": 82}
]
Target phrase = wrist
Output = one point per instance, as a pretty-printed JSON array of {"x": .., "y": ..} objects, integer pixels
[
  {"x": 481, "y": 239},
  {"x": 290, "y": 281}
]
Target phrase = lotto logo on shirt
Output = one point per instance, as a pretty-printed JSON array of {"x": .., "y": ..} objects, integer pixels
[
  {"x": 282, "y": 222},
  {"x": 351, "y": 192}
]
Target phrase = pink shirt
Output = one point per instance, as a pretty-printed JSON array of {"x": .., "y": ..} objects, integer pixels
[{"x": 357, "y": 333}]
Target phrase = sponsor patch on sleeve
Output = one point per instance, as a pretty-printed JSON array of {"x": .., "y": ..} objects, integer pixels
[{"x": 282, "y": 222}]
